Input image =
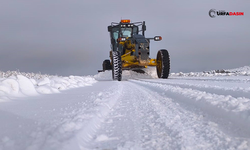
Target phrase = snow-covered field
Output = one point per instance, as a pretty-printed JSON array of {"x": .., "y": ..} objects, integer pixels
[{"x": 196, "y": 110}]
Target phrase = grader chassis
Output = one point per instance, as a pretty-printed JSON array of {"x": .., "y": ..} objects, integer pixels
[{"x": 130, "y": 50}]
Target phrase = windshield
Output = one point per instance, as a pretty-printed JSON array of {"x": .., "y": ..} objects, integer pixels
[{"x": 126, "y": 32}]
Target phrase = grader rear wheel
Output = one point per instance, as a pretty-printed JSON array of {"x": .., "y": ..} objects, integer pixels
[{"x": 163, "y": 64}]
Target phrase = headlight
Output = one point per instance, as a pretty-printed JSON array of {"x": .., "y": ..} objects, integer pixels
[{"x": 121, "y": 39}]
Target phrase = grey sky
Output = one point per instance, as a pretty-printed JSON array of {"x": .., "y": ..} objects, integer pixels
[{"x": 67, "y": 37}]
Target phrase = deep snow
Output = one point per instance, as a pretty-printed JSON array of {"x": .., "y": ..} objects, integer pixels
[
  {"x": 15, "y": 84},
  {"x": 196, "y": 110}
]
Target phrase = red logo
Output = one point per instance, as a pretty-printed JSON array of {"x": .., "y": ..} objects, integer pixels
[{"x": 236, "y": 13}]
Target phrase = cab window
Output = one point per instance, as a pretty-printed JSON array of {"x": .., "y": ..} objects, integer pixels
[{"x": 125, "y": 32}]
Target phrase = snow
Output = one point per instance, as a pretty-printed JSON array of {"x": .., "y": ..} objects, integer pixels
[
  {"x": 107, "y": 75},
  {"x": 16, "y": 84},
  {"x": 196, "y": 110},
  {"x": 242, "y": 71}
]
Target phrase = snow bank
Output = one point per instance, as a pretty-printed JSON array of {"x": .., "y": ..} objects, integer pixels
[
  {"x": 242, "y": 71},
  {"x": 18, "y": 84}
]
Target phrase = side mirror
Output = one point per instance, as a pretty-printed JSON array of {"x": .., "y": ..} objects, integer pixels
[
  {"x": 109, "y": 28},
  {"x": 157, "y": 38}
]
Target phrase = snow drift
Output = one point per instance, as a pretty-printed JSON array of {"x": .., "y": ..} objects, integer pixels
[{"x": 17, "y": 84}]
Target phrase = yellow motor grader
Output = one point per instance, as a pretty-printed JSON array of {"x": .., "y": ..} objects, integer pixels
[{"x": 130, "y": 50}]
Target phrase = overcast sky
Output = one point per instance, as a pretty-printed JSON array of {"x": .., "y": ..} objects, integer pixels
[{"x": 70, "y": 37}]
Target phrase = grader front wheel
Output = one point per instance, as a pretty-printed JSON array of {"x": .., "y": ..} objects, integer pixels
[
  {"x": 117, "y": 66},
  {"x": 163, "y": 64}
]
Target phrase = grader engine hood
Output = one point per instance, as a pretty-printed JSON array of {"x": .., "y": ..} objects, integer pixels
[{"x": 142, "y": 49}]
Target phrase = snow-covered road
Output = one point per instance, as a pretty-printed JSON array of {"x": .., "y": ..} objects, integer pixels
[{"x": 211, "y": 112}]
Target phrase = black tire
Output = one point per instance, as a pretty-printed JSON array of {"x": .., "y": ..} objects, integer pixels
[
  {"x": 106, "y": 65},
  {"x": 117, "y": 66},
  {"x": 163, "y": 64}
]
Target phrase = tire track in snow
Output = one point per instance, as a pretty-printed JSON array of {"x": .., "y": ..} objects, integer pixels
[
  {"x": 232, "y": 89},
  {"x": 150, "y": 120},
  {"x": 122, "y": 126},
  {"x": 88, "y": 132},
  {"x": 78, "y": 123},
  {"x": 188, "y": 130},
  {"x": 235, "y": 110}
]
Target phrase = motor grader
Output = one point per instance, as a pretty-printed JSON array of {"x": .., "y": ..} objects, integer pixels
[{"x": 130, "y": 50}]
